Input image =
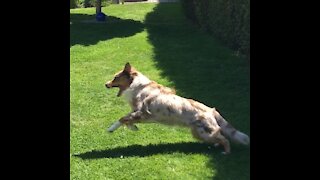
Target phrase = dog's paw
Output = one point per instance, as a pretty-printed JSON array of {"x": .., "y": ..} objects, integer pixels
[
  {"x": 114, "y": 126},
  {"x": 132, "y": 127},
  {"x": 110, "y": 130}
]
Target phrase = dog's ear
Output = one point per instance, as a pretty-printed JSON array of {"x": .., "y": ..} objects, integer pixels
[{"x": 127, "y": 68}]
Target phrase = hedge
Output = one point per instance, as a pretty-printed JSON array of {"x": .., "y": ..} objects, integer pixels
[
  {"x": 87, "y": 3},
  {"x": 228, "y": 20}
]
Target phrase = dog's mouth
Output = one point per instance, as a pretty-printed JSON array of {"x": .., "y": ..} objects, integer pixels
[
  {"x": 121, "y": 89},
  {"x": 119, "y": 93},
  {"x": 111, "y": 86},
  {"x": 115, "y": 86}
]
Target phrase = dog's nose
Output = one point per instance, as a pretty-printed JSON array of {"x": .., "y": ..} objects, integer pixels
[{"x": 108, "y": 85}]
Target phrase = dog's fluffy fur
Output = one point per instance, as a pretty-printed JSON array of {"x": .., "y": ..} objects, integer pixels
[{"x": 152, "y": 102}]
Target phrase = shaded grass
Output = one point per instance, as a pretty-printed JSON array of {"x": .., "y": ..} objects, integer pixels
[
  {"x": 95, "y": 32},
  {"x": 200, "y": 67},
  {"x": 160, "y": 43}
]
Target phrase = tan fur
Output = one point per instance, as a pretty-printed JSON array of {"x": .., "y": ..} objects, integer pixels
[
  {"x": 162, "y": 89},
  {"x": 198, "y": 105},
  {"x": 152, "y": 102}
]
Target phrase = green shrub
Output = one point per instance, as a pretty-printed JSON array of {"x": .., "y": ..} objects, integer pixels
[
  {"x": 87, "y": 3},
  {"x": 73, "y": 4},
  {"x": 189, "y": 9},
  {"x": 228, "y": 20}
]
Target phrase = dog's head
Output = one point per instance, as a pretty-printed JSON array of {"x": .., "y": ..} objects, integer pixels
[{"x": 122, "y": 79}]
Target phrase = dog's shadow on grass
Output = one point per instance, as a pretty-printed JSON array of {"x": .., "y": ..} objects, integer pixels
[
  {"x": 85, "y": 30},
  {"x": 224, "y": 164},
  {"x": 151, "y": 149}
]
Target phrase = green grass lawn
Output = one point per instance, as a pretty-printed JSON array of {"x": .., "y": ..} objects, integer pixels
[{"x": 158, "y": 41}]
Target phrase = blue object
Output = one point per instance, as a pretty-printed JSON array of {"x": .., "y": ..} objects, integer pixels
[{"x": 101, "y": 17}]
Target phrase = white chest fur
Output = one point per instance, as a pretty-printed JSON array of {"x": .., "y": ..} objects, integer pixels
[
  {"x": 128, "y": 94},
  {"x": 138, "y": 81}
]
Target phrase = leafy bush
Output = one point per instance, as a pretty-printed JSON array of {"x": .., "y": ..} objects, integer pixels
[
  {"x": 228, "y": 20},
  {"x": 73, "y": 4},
  {"x": 87, "y": 3}
]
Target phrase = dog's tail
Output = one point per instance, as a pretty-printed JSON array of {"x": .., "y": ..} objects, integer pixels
[{"x": 229, "y": 131}]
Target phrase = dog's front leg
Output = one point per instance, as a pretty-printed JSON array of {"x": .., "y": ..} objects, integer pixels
[{"x": 128, "y": 120}]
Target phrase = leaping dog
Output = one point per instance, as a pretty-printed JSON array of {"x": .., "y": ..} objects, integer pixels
[{"x": 152, "y": 102}]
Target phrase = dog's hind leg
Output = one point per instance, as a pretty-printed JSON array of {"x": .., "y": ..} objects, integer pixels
[
  {"x": 211, "y": 136},
  {"x": 225, "y": 143}
]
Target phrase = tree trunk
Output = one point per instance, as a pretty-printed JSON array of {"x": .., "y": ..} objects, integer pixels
[{"x": 98, "y": 6}]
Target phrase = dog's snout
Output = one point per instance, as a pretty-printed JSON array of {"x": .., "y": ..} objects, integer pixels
[{"x": 108, "y": 85}]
